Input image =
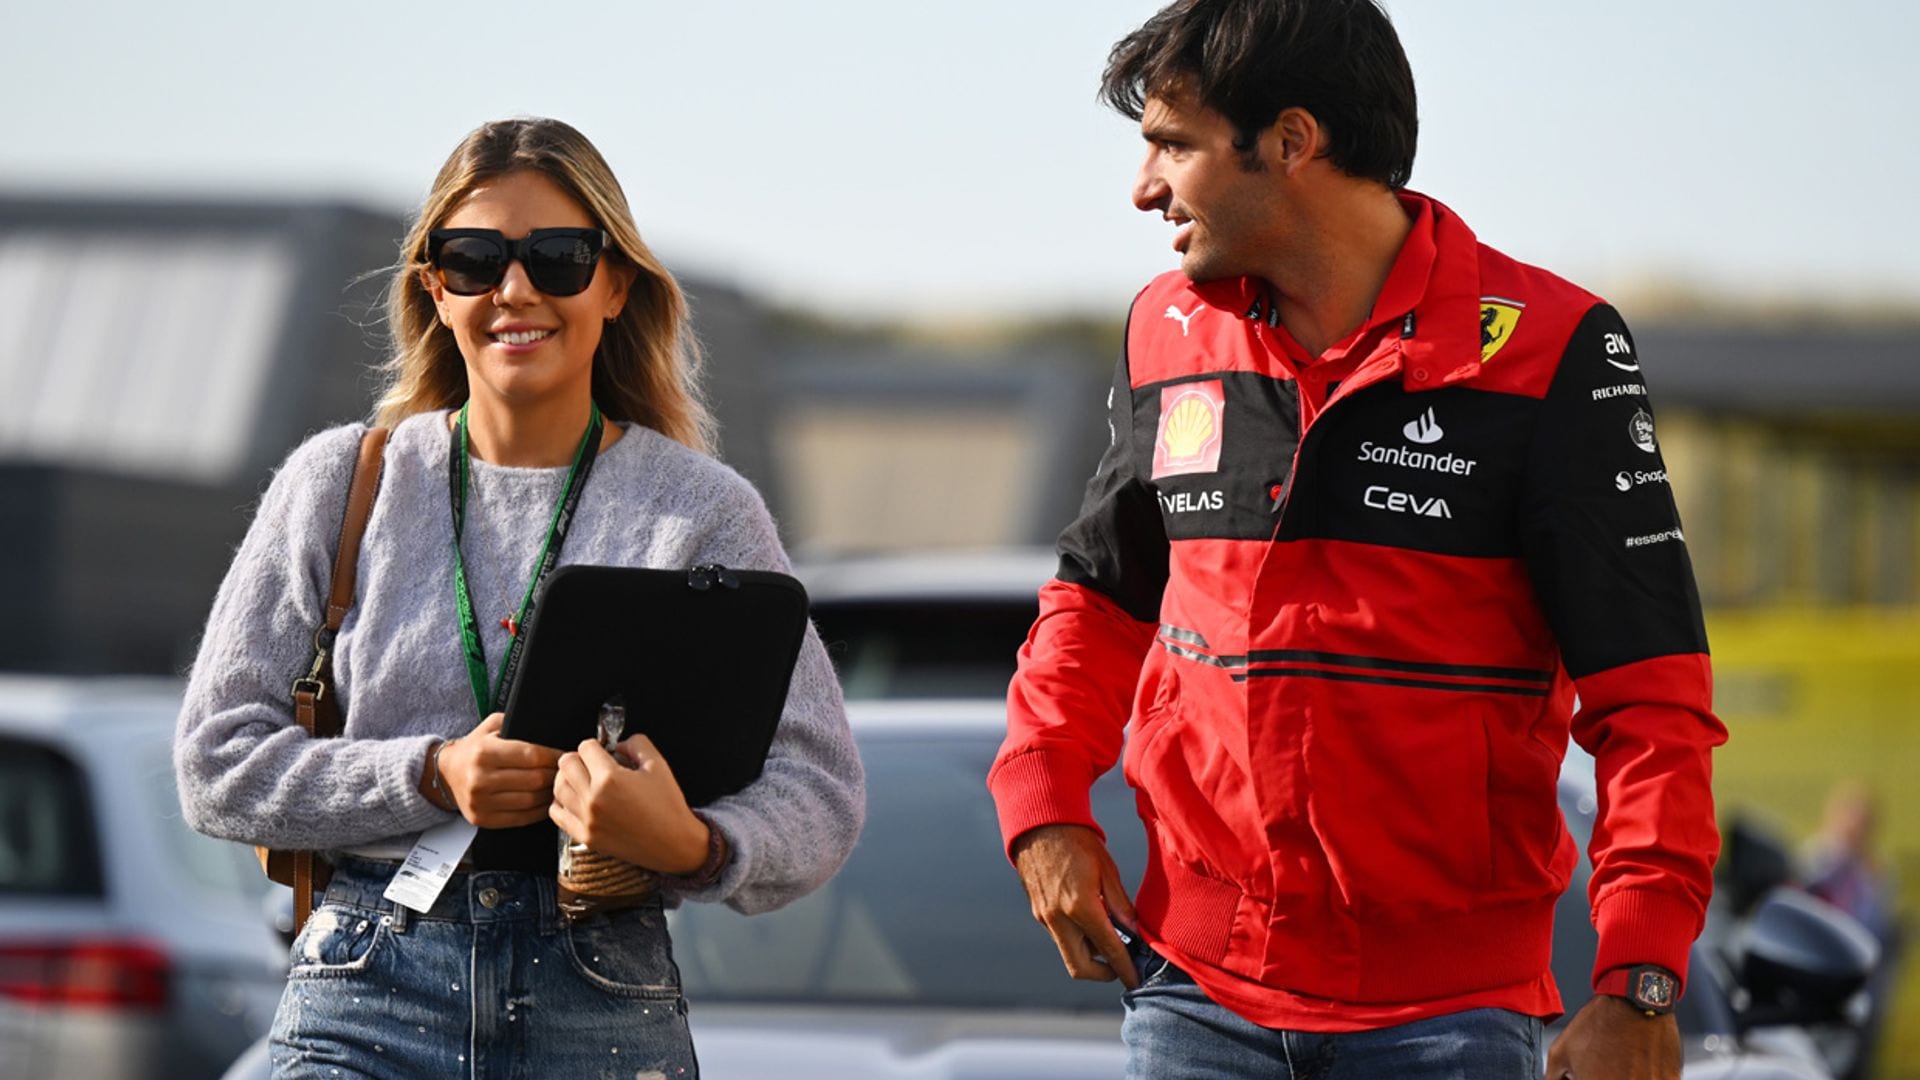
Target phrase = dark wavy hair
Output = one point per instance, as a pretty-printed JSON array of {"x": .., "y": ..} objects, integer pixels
[{"x": 1250, "y": 59}]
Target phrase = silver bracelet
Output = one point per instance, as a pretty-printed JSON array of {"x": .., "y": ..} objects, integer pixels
[{"x": 447, "y": 801}]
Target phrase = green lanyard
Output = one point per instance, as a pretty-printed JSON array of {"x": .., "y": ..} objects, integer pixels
[{"x": 476, "y": 655}]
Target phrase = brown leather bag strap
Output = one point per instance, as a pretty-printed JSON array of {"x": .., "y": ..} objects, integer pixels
[
  {"x": 312, "y": 701},
  {"x": 360, "y": 495},
  {"x": 315, "y": 705}
]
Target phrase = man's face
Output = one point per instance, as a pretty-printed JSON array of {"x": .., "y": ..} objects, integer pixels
[{"x": 1228, "y": 220}]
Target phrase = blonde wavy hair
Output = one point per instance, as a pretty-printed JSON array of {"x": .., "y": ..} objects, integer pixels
[{"x": 647, "y": 367}]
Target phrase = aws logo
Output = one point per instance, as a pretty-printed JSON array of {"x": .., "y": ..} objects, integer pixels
[
  {"x": 1192, "y": 427},
  {"x": 1498, "y": 317},
  {"x": 1620, "y": 353}
]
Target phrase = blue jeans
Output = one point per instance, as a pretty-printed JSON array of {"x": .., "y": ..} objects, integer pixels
[
  {"x": 490, "y": 984},
  {"x": 1173, "y": 1031}
]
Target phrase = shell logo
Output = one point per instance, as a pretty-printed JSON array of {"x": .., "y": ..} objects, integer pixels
[{"x": 1191, "y": 428}]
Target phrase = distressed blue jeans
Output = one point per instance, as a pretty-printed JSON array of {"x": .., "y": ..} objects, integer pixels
[
  {"x": 1173, "y": 1031},
  {"x": 491, "y": 984}
]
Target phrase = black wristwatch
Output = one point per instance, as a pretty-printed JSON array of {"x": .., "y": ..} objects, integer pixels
[{"x": 1648, "y": 987}]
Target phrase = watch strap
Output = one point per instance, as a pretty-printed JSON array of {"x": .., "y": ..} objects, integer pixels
[{"x": 1648, "y": 987}]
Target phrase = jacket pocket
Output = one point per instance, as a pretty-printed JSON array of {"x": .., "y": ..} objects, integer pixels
[
  {"x": 1200, "y": 810},
  {"x": 1398, "y": 796}
]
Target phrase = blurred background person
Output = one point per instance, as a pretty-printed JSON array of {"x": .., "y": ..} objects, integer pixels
[{"x": 1841, "y": 865}]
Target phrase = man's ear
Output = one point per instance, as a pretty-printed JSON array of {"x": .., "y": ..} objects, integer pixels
[{"x": 1295, "y": 139}]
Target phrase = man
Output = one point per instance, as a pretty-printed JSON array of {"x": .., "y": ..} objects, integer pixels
[{"x": 1380, "y": 504}]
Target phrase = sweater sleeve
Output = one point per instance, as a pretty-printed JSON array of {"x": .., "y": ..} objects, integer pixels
[
  {"x": 790, "y": 830},
  {"x": 245, "y": 769}
]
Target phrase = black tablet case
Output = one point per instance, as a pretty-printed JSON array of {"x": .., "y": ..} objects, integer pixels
[{"x": 702, "y": 658}]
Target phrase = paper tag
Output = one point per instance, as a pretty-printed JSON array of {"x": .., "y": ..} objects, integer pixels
[{"x": 431, "y": 864}]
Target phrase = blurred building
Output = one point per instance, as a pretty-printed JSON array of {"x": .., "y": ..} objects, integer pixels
[
  {"x": 1797, "y": 455},
  {"x": 891, "y": 446},
  {"x": 159, "y": 358}
]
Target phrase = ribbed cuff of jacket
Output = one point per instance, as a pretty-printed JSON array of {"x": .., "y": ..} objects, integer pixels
[
  {"x": 1641, "y": 926},
  {"x": 1041, "y": 788}
]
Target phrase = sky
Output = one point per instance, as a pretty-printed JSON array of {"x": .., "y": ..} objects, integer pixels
[{"x": 882, "y": 159}]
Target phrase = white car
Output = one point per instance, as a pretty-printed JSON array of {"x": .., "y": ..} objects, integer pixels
[{"x": 130, "y": 946}]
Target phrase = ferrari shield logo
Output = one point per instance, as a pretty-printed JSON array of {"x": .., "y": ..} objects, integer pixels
[{"x": 1498, "y": 317}]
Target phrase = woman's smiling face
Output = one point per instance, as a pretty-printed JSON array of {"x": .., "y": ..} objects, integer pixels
[{"x": 523, "y": 346}]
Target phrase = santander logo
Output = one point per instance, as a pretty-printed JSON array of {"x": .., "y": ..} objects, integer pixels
[{"x": 1424, "y": 429}]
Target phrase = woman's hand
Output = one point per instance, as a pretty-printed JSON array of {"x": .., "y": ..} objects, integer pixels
[
  {"x": 498, "y": 782},
  {"x": 637, "y": 814}
]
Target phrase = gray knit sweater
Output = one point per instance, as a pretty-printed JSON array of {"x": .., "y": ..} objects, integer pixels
[{"x": 246, "y": 770}]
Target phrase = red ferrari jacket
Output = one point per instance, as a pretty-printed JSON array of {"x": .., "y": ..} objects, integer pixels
[{"x": 1350, "y": 641}]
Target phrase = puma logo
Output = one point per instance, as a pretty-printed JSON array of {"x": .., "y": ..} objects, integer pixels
[{"x": 1182, "y": 317}]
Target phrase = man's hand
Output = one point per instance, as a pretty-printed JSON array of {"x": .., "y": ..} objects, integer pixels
[
  {"x": 498, "y": 782},
  {"x": 636, "y": 814},
  {"x": 1073, "y": 886},
  {"x": 1609, "y": 1039}
]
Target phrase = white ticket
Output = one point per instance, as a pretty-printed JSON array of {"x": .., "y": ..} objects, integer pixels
[{"x": 431, "y": 864}]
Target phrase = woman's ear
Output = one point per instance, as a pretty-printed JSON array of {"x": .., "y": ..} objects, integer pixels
[
  {"x": 431, "y": 283},
  {"x": 620, "y": 281}
]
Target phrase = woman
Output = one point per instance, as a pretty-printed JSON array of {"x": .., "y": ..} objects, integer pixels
[{"x": 525, "y": 308}]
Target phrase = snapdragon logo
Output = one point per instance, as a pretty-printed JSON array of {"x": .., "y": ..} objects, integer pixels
[
  {"x": 1379, "y": 497},
  {"x": 1627, "y": 481}
]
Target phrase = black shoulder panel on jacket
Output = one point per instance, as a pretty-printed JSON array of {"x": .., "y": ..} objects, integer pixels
[
  {"x": 1600, "y": 531},
  {"x": 1117, "y": 545}
]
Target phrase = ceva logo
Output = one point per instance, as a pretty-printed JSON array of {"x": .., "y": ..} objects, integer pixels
[
  {"x": 1424, "y": 429},
  {"x": 1400, "y": 502}
]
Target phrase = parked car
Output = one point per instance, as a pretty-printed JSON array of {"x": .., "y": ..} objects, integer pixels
[
  {"x": 920, "y": 958},
  {"x": 130, "y": 946}
]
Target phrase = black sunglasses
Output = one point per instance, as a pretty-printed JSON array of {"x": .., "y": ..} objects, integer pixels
[{"x": 559, "y": 262}]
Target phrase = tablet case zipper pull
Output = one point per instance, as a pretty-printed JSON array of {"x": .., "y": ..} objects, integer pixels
[{"x": 701, "y": 578}]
